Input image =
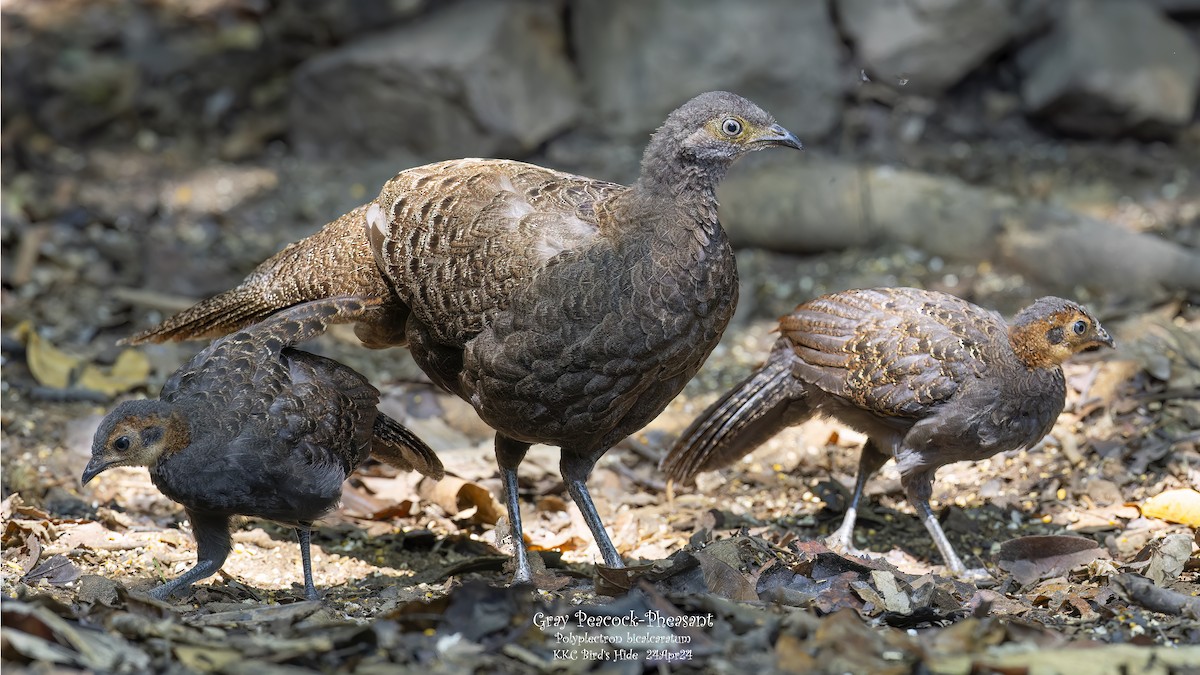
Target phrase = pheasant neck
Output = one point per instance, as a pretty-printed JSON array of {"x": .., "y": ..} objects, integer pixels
[{"x": 688, "y": 189}]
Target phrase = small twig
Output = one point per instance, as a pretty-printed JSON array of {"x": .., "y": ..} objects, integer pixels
[
  {"x": 1167, "y": 395},
  {"x": 651, "y": 483},
  {"x": 142, "y": 297},
  {"x": 1139, "y": 589},
  {"x": 67, "y": 395},
  {"x": 28, "y": 252},
  {"x": 1086, "y": 389},
  {"x": 643, "y": 450}
]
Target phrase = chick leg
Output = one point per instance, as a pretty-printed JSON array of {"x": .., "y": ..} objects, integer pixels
[
  {"x": 575, "y": 470},
  {"x": 953, "y": 562},
  {"x": 509, "y": 453},
  {"x": 212, "y": 548},
  {"x": 918, "y": 486},
  {"x": 304, "y": 534},
  {"x": 869, "y": 462}
]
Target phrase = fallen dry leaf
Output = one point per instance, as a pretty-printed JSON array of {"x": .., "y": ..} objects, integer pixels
[
  {"x": 1174, "y": 506},
  {"x": 1032, "y": 558},
  {"x": 456, "y": 496},
  {"x": 53, "y": 367},
  {"x": 723, "y": 564},
  {"x": 57, "y": 569},
  {"x": 129, "y": 371},
  {"x": 1163, "y": 560}
]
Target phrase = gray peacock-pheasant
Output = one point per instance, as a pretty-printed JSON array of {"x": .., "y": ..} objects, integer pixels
[{"x": 567, "y": 310}]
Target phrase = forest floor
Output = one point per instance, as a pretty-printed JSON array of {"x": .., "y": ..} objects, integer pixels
[{"x": 1082, "y": 535}]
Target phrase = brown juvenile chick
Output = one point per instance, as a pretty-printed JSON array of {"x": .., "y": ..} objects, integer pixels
[
  {"x": 252, "y": 427},
  {"x": 931, "y": 379},
  {"x": 567, "y": 310}
]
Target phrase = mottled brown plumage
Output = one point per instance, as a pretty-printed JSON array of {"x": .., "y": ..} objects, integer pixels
[
  {"x": 930, "y": 378},
  {"x": 252, "y": 427},
  {"x": 567, "y": 310}
]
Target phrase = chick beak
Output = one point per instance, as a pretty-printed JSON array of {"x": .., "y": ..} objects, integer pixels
[
  {"x": 777, "y": 135},
  {"x": 1104, "y": 338},
  {"x": 94, "y": 468}
]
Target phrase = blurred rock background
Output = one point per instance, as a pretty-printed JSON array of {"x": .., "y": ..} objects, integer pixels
[{"x": 154, "y": 151}]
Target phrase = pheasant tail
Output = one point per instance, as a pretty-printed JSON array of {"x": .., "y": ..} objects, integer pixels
[
  {"x": 219, "y": 315},
  {"x": 336, "y": 261},
  {"x": 744, "y": 418},
  {"x": 396, "y": 446}
]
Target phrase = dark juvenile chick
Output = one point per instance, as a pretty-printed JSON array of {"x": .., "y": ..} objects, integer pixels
[
  {"x": 930, "y": 378},
  {"x": 567, "y": 310},
  {"x": 252, "y": 427}
]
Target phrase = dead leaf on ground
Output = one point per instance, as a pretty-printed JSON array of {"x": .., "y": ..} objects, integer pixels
[
  {"x": 892, "y": 591},
  {"x": 457, "y": 496},
  {"x": 56, "y": 570},
  {"x": 616, "y": 581},
  {"x": 1032, "y": 558},
  {"x": 730, "y": 568},
  {"x": 96, "y": 537},
  {"x": 53, "y": 367},
  {"x": 357, "y": 503},
  {"x": 1163, "y": 560},
  {"x": 563, "y": 541},
  {"x": 1174, "y": 506},
  {"x": 25, "y": 555}
]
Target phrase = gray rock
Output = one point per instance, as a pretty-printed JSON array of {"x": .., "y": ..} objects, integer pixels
[
  {"x": 926, "y": 46},
  {"x": 642, "y": 58},
  {"x": 1178, "y": 7},
  {"x": 1111, "y": 67},
  {"x": 474, "y": 78},
  {"x": 823, "y": 204}
]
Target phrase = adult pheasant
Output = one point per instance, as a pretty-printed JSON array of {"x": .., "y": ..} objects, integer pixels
[{"x": 567, "y": 310}]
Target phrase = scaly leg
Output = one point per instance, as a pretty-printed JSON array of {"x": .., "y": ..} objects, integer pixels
[
  {"x": 304, "y": 534},
  {"x": 509, "y": 453},
  {"x": 919, "y": 487},
  {"x": 212, "y": 548},
  {"x": 869, "y": 462},
  {"x": 575, "y": 472},
  {"x": 939, "y": 537}
]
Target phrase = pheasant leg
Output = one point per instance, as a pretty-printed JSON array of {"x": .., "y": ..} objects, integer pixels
[
  {"x": 575, "y": 473},
  {"x": 509, "y": 454},
  {"x": 304, "y": 534},
  {"x": 953, "y": 562},
  {"x": 869, "y": 462},
  {"x": 212, "y": 547}
]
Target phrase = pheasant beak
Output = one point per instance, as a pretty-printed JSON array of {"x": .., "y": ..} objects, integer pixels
[
  {"x": 1104, "y": 338},
  {"x": 94, "y": 468},
  {"x": 777, "y": 135}
]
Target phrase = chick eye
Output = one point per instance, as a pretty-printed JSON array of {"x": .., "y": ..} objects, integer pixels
[
  {"x": 121, "y": 444},
  {"x": 731, "y": 127},
  {"x": 1080, "y": 327}
]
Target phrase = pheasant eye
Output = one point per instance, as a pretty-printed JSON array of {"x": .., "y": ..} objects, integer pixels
[
  {"x": 121, "y": 444},
  {"x": 731, "y": 127},
  {"x": 1080, "y": 327}
]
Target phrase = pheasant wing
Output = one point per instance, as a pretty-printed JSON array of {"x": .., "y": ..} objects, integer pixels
[
  {"x": 455, "y": 238},
  {"x": 897, "y": 352}
]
